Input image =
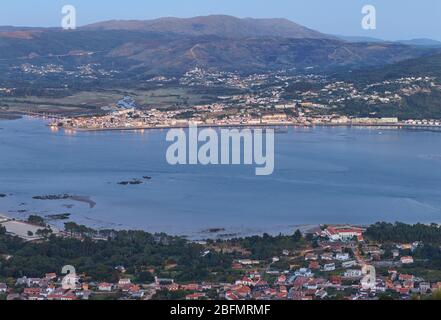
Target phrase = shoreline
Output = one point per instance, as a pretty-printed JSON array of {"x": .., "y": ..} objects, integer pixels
[
  {"x": 269, "y": 125},
  {"x": 197, "y": 235},
  {"x": 396, "y": 126},
  {"x": 392, "y": 126}
]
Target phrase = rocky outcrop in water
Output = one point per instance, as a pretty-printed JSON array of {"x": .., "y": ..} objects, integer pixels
[
  {"x": 134, "y": 181},
  {"x": 53, "y": 197}
]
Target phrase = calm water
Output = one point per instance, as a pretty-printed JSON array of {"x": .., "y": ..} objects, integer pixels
[{"x": 322, "y": 175}]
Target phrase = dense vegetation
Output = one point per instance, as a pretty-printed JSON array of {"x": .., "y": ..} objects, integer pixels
[
  {"x": 418, "y": 67},
  {"x": 144, "y": 255},
  {"x": 266, "y": 247},
  {"x": 137, "y": 251},
  {"x": 417, "y": 106},
  {"x": 400, "y": 232}
]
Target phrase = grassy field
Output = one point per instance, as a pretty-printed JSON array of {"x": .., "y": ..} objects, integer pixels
[
  {"x": 95, "y": 101},
  {"x": 166, "y": 97}
]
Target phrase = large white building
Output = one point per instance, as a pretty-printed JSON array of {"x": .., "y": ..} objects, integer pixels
[{"x": 343, "y": 233}]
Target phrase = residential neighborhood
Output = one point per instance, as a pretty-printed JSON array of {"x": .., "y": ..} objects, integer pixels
[{"x": 332, "y": 265}]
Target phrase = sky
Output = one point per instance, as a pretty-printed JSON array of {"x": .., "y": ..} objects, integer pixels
[{"x": 396, "y": 19}]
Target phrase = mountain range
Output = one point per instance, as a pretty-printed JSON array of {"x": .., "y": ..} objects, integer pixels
[
  {"x": 214, "y": 25},
  {"x": 175, "y": 45}
]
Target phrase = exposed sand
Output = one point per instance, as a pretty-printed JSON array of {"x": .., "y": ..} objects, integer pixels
[
  {"x": 84, "y": 199},
  {"x": 21, "y": 228}
]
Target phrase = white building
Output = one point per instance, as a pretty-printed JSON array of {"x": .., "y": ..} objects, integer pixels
[
  {"x": 353, "y": 273},
  {"x": 349, "y": 264},
  {"x": 343, "y": 233},
  {"x": 329, "y": 267},
  {"x": 342, "y": 256}
]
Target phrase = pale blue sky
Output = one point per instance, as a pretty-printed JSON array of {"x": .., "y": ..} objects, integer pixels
[{"x": 396, "y": 19}]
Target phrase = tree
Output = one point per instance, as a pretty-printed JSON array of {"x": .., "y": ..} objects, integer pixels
[
  {"x": 145, "y": 277},
  {"x": 45, "y": 233},
  {"x": 36, "y": 220},
  {"x": 297, "y": 236}
]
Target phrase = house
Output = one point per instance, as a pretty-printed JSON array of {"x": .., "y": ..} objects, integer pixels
[
  {"x": 125, "y": 287},
  {"x": 283, "y": 290},
  {"x": 172, "y": 287},
  {"x": 248, "y": 262},
  {"x": 104, "y": 286},
  {"x": 406, "y": 260},
  {"x": 134, "y": 288},
  {"x": 373, "y": 250},
  {"x": 328, "y": 256},
  {"x": 409, "y": 246},
  {"x": 243, "y": 291},
  {"x": 21, "y": 281},
  {"x": 406, "y": 277},
  {"x": 245, "y": 281},
  {"x": 13, "y": 296},
  {"x": 353, "y": 273},
  {"x": 236, "y": 266},
  {"x": 303, "y": 272},
  {"x": 311, "y": 256},
  {"x": 393, "y": 274},
  {"x": 321, "y": 294},
  {"x": 349, "y": 264},
  {"x": 329, "y": 267},
  {"x": 381, "y": 287},
  {"x": 314, "y": 265},
  {"x": 33, "y": 282},
  {"x": 296, "y": 295},
  {"x": 342, "y": 256},
  {"x": 299, "y": 282},
  {"x": 68, "y": 296},
  {"x": 121, "y": 269},
  {"x": 231, "y": 296},
  {"x": 160, "y": 281},
  {"x": 424, "y": 287},
  {"x": 123, "y": 282},
  {"x": 191, "y": 287},
  {"x": 86, "y": 295},
  {"x": 261, "y": 285},
  {"x": 206, "y": 286},
  {"x": 311, "y": 285},
  {"x": 29, "y": 282},
  {"x": 281, "y": 279},
  {"x": 403, "y": 291},
  {"x": 195, "y": 296},
  {"x": 50, "y": 276},
  {"x": 31, "y": 291}
]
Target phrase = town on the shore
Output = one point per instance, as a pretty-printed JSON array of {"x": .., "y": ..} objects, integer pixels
[{"x": 279, "y": 99}]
